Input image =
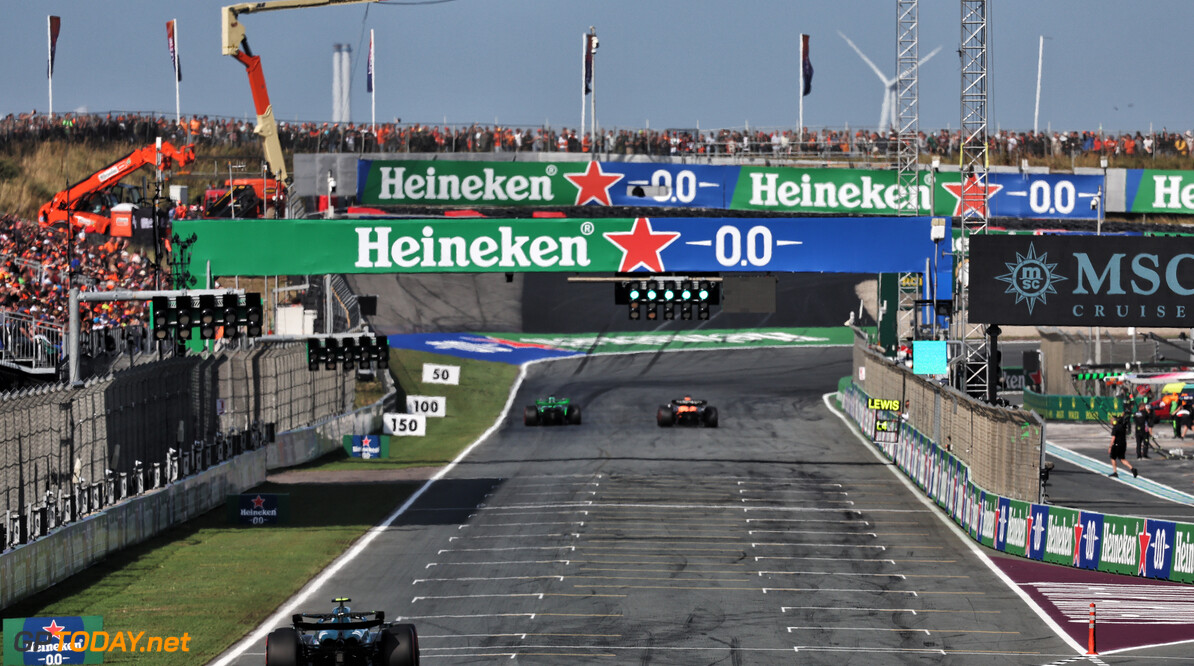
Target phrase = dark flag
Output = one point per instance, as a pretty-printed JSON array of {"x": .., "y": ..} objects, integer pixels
[
  {"x": 807, "y": 65},
  {"x": 55, "y": 26},
  {"x": 369, "y": 66},
  {"x": 589, "y": 63},
  {"x": 170, "y": 26}
]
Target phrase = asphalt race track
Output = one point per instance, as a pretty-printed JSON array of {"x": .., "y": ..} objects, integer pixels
[{"x": 777, "y": 538}]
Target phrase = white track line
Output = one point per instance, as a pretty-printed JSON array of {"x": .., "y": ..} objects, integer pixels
[
  {"x": 282, "y": 615},
  {"x": 963, "y": 537}
]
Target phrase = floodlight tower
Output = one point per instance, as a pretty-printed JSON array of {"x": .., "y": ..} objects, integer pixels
[
  {"x": 907, "y": 148},
  {"x": 975, "y": 371}
]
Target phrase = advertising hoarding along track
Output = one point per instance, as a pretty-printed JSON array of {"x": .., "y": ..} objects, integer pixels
[
  {"x": 719, "y": 187},
  {"x": 604, "y": 245},
  {"x": 1081, "y": 280}
]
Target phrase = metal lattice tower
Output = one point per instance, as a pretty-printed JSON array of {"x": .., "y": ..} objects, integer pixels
[
  {"x": 907, "y": 147},
  {"x": 975, "y": 185}
]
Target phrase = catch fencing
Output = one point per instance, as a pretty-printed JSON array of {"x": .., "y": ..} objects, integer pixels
[
  {"x": 142, "y": 427},
  {"x": 1001, "y": 446}
]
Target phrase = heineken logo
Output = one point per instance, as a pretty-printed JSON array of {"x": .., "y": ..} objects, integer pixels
[
  {"x": 1059, "y": 540},
  {"x": 397, "y": 186},
  {"x": 641, "y": 246},
  {"x": 1017, "y": 531},
  {"x": 768, "y": 189},
  {"x": 507, "y": 250},
  {"x": 593, "y": 185},
  {"x": 1183, "y": 553},
  {"x": 971, "y": 196},
  {"x": 1119, "y": 546}
]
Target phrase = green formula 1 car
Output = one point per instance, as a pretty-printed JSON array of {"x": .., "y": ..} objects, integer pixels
[{"x": 551, "y": 411}]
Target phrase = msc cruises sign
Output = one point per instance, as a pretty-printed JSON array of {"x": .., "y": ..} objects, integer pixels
[{"x": 1081, "y": 280}]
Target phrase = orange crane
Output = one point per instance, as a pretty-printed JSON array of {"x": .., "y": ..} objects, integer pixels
[
  {"x": 236, "y": 45},
  {"x": 83, "y": 205}
]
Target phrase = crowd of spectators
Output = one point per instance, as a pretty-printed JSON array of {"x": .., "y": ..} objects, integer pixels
[
  {"x": 35, "y": 261},
  {"x": 36, "y": 265},
  {"x": 316, "y": 137}
]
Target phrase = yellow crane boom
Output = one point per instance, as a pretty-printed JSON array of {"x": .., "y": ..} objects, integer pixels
[{"x": 234, "y": 43}]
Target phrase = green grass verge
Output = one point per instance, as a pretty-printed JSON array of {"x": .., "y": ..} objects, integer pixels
[
  {"x": 214, "y": 581},
  {"x": 472, "y": 407}
]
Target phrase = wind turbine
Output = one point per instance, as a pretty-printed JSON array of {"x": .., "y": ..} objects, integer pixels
[{"x": 887, "y": 114}]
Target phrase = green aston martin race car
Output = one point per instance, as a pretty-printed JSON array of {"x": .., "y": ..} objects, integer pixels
[{"x": 551, "y": 411}]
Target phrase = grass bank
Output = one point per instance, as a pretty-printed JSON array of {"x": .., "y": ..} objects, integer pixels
[{"x": 472, "y": 407}]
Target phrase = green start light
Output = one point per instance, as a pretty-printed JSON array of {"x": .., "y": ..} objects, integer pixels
[
  {"x": 651, "y": 294},
  {"x": 668, "y": 295},
  {"x": 703, "y": 294},
  {"x": 635, "y": 294},
  {"x": 686, "y": 294}
]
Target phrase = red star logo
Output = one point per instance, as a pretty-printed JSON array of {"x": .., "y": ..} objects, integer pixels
[
  {"x": 1077, "y": 541},
  {"x": 258, "y": 502},
  {"x": 593, "y": 184},
  {"x": 53, "y": 629},
  {"x": 641, "y": 246},
  {"x": 969, "y": 194},
  {"x": 365, "y": 440},
  {"x": 1144, "y": 537}
]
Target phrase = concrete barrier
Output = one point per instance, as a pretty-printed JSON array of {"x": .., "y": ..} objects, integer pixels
[{"x": 38, "y": 565}]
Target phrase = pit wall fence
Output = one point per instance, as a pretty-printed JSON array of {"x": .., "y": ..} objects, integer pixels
[
  {"x": 1126, "y": 545},
  {"x": 75, "y": 525}
]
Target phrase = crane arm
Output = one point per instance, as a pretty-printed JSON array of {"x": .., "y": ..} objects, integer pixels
[
  {"x": 60, "y": 207},
  {"x": 235, "y": 44}
]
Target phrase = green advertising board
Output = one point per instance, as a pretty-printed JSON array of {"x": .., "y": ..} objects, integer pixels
[
  {"x": 988, "y": 523},
  {"x": 1120, "y": 544},
  {"x": 1182, "y": 569},
  {"x": 1016, "y": 539},
  {"x": 1163, "y": 192},
  {"x": 848, "y": 191},
  {"x": 1073, "y": 407},
  {"x": 1060, "y": 537},
  {"x": 59, "y": 640},
  {"x": 471, "y": 183}
]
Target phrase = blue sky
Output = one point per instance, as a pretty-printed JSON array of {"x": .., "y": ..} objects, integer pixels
[{"x": 669, "y": 63}]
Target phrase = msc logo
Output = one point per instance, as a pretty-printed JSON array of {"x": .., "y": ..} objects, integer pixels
[{"x": 1031, "y": 278}]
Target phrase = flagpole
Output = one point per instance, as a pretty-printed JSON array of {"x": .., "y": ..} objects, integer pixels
[
  {"x": 50, "y": 59},
  {"x": 177, "y": 57},
  {"x": 800, "y": 94},
  {"x": 373, "y": 91},
  {"x": 592, "y": 92},
  {"x": 584, "y": 47}
]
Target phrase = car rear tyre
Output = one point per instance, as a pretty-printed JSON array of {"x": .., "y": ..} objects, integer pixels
[
  {"x": 573, "y": 415},
  {"x": 282, "y": 647},
  {"x": 710, "y": 417},
  {"x": 399, "y": 646},
  {"x": 530, "y": 416},
  {"x": 664, "y": 417}
]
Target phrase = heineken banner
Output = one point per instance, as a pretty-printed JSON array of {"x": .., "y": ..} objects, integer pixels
[
  {"x": 726, "y": 187},
  {"x": 1081, "y": 280},
  {"x": 655, "y": 245},
  {"x": 1152, "y": 191},
  {"x": 1120, "y": 545},
  {"x": 1123, "y": 545}
]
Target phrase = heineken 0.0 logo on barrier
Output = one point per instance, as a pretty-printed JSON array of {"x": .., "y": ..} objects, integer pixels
[{"x": 608, "y": 245}]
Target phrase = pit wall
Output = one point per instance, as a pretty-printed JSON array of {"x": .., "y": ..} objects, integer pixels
[{"x": 1047, "y": 533}]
